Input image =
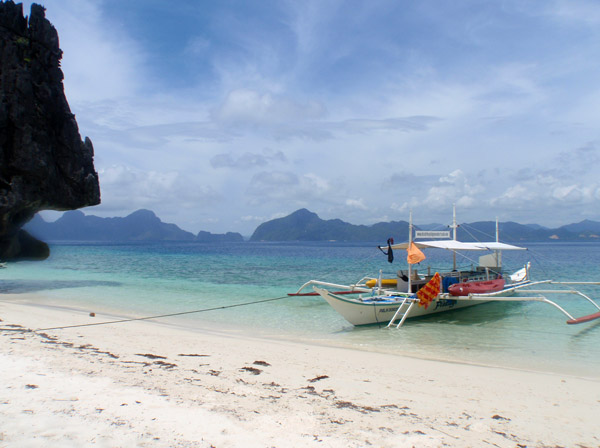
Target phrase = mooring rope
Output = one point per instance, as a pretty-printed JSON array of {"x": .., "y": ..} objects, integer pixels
[{"x": 157, "y": 316}]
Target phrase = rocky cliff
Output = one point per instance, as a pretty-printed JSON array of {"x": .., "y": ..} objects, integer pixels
[{"x": 44, "y": 164}]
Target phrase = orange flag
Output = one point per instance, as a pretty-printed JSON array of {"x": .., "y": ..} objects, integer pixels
[
  {"x": 414, "y": 254},
  {"x": 430, "y": 291}
]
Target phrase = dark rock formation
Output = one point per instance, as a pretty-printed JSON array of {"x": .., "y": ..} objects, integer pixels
[{"x": 44, "y": 164}]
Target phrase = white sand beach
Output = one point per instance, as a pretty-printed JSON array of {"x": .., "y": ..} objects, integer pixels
[{"x": 149, "y": 384}]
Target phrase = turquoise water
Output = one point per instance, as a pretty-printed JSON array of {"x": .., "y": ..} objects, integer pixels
[{"x": 150, "y": 279}]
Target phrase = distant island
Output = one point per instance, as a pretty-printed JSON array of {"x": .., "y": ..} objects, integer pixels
[
  {"x": 301, "y": 225},
  {"x": 142, "y": 225},
  {"x": 304, "y": 225}
]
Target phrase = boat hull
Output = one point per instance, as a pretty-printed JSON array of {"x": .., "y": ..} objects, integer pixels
[{"x": 366, "y": 312}]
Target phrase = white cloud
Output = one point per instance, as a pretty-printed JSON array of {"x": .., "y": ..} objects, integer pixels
[
  {"x": 296, "y": 191},
  {"x": 247, "y": 160},
  {"x": 400, "y": 208},
  {"x": 249, "y": 107},
  {"x": 100, "y": 60},
  {"x": 567, "y": 193},
  {"x": 516, "y": 194},
  {"x": 579, "y": 12},
  {"x": 356, "y": 203},
  {"x": 254, "y": 219},
  {"x": 125, "y": 188},
  {"x": 453, "y": 188}
]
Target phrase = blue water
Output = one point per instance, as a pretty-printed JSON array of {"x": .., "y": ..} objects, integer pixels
[{"x": 137, "y": 280}]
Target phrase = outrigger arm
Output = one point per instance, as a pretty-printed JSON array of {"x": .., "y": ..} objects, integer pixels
[
  {"x": 346, "y": 289},
  {"x": 572, "y": 320}
]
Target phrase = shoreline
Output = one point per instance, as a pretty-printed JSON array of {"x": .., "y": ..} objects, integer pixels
[
  {"x": 35, "y": 300},
  {"x": 160, "y": 385}
]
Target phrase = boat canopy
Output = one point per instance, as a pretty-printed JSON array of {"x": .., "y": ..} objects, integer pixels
[
  {"x": 458, "y": 245},
  {"x": 493, "y": 245}
]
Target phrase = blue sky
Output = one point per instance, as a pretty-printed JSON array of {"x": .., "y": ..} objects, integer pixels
[{"x": 220, "y": 115}]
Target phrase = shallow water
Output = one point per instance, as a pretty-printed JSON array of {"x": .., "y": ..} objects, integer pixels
[{"x": 151, "y": 279}]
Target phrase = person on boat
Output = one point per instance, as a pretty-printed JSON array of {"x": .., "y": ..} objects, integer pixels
[{"x": 389, "y": 253}]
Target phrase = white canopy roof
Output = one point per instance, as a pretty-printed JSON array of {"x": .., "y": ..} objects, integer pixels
[
  {"x": 458, "y": 245},
  {"x": 493, "y": 245}
]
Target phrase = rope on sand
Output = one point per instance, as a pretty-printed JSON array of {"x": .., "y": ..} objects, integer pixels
[{"x": 154, "y": 317}]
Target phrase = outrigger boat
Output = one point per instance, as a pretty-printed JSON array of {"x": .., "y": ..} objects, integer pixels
[{"x": 392, "y": 301}]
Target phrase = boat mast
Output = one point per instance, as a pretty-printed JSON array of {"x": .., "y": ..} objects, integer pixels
[
  {"x": 498, "y": 253},
  {"x": 410, "y": 233},
  {"x": 497, "y": 232},
  {"x": 454, "y": 226}
]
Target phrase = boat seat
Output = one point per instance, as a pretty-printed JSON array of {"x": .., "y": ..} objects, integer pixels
[{"x": 447, "y": 282}]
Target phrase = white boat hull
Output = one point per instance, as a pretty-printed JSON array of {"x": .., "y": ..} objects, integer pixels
[{"x": 358, "y": 312}]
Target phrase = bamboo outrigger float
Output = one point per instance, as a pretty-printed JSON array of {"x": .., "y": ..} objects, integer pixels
[{"x": 412, "y": 295}]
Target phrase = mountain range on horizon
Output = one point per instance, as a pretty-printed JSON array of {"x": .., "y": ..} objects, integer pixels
[
  {"x": 141, "y": 225},
  {"x": 301, "y": 225},
  {"x": 304, "y": 225}
]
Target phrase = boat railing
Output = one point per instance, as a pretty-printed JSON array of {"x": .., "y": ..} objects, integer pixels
[
  {"x": 353, "y": 288},
  {"x": 364, "y": 280}
]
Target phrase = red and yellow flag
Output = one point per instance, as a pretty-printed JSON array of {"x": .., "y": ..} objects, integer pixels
[
  {"x": 430, "y": 291},
  {"x": 414, "y": 255}
]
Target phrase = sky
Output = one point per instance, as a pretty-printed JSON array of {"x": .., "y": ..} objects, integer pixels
[{"x": 221, "y": 115}]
